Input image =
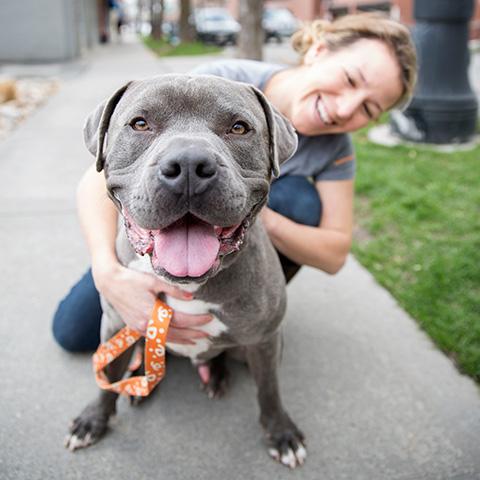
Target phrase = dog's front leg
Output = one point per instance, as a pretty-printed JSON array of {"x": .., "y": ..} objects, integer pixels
[
  {"x": 92, "y": 423},
  {"x": 286, "y": 441}
]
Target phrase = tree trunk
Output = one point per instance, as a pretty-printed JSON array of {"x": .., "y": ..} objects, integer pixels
[
  {"x": 139, "y": 16},
  {"x": 185, "y": 29},
  {"x": 251, "y": 37},
  {"x": 156, "y": 18}
]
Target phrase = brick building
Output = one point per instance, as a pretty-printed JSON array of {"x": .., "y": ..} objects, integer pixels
[{"x": 309, "y": 9}]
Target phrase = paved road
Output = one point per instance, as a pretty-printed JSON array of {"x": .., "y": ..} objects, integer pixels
[{"x": 376, "y": 400}]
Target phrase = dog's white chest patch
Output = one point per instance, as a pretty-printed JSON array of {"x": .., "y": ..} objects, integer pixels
[
  {"x": 214, "y": 328},
  {"x": 194, "y": 307}
]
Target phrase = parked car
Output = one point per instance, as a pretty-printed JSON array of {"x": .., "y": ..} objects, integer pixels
[
  {"x": 216, "y": 25},
  {"x": 278, "y": 23}
]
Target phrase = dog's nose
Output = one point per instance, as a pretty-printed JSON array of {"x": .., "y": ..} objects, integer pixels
[{"x": 190, "y": 172}]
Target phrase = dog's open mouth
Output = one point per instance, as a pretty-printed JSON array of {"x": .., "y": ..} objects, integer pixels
[{"x": 188, "y": 247}]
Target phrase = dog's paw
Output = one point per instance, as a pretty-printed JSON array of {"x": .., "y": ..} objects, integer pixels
[
  {"x": 216, "y": 387},
  {"x": 87, "y": 428},
  {"x": 289, "y": 452},
  {"x": 215, "y": 381},
  {"x": 286, "y": 442}
]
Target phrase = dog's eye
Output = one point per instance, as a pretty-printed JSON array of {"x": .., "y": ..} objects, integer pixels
[
  {"x": 139, "y": 124},
  {"x": 239, "y": 128}
]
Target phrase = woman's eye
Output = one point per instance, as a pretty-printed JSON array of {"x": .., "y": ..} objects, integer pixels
[
  {"x": 239, "y": 128},
  {"x": 367, "y": 111},
  {"x": 139, "y": 124},
  {"x": 350, "y": 80}
]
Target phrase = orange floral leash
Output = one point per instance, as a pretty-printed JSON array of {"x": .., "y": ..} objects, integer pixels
[{"x": 154, "y": 354}]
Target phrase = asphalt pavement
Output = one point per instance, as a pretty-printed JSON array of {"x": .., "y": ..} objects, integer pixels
[{"x": 375, "y": 398}]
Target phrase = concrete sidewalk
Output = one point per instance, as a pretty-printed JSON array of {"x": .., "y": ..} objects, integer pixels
[{"x": 375, "y": 398}]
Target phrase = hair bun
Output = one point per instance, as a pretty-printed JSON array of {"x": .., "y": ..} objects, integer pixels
[{"x": 309, "y": 33}]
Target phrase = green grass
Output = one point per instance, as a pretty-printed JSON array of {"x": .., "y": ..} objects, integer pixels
[
  {"x": 163, "y": 49},
  {"x": 418, "y": 232}
]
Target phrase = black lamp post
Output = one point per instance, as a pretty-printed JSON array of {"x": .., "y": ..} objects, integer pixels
[{"x": 444, "y": 107}]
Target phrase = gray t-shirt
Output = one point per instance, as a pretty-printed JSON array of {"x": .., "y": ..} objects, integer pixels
[{"x": 322, "y": 157}]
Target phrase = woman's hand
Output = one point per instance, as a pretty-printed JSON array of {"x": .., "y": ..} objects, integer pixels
[
  {"x": 133, "y": 295},
  {"x": 269, "y": 219}
]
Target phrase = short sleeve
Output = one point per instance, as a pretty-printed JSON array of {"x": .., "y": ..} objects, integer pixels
[
  {"x": 213, "y": 68},
  {"x": 221, "y": 68},
  {"x": 239, "y": 70},
  {"x": 342, "y": 163}
]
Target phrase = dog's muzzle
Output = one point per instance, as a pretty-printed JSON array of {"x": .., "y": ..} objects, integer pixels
[{"x": 191, "y": 171}]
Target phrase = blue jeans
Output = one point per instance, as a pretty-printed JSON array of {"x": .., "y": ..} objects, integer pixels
[{"x": 76, "y": 323}]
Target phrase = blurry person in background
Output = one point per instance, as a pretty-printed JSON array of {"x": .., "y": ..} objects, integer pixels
[
  {"x": 116, "y": 19},
  {"x": 111, "y": 17}
]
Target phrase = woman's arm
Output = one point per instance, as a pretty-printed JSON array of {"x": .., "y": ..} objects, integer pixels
[
  {"x": 130, "y": 292},
  {"x": 325, "y": 247},
  {"x": 98, "y": 219}
]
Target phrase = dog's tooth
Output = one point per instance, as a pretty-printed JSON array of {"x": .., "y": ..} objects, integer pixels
[{"x": 228, "y": 232}]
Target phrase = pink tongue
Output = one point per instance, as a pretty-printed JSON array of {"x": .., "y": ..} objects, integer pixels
[{"x": 187, "y": 248}]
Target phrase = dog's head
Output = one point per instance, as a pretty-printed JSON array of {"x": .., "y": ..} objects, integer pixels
[{"x": 188, "y": 161}]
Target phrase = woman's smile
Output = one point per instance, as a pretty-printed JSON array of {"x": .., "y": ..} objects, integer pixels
[{"x": 322, "y": 112}]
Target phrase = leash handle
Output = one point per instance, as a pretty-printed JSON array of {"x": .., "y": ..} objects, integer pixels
[{"x": 154, "y": 354}]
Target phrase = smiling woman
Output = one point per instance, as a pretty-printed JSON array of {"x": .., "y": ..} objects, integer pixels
[{"x": 352, "y": 70}]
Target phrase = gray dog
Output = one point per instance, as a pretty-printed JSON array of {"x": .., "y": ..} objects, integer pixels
[{"x": 188, "y": 162}]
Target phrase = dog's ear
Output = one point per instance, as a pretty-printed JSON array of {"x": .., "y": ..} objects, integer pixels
[
  {"x": 283, "y": 139},
  {"x": 97, "y": 123}
]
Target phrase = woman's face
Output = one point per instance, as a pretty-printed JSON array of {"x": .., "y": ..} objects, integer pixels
[{"x": 342, "y": 91}]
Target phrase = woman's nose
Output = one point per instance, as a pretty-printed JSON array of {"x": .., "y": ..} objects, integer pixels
[{"x": 349, "y": 103}]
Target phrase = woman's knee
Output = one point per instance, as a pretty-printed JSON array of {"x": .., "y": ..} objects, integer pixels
[
  {"x": 66, "y": 337},
  {"x": 295, "y": 197},
  {"x": 76, "y": 323}
]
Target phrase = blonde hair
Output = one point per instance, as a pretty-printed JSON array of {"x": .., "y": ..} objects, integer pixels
[{"x": 349, "y": 29}]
